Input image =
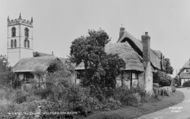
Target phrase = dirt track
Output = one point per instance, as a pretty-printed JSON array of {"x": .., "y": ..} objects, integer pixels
[{"x": 179, "y": 111}]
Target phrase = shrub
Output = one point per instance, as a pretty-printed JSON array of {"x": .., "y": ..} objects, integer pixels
[
  {"x": 166, "y": 91},
  {"x": 20, "y": 96},
  {"x": 111, "y": 104},
  {"x": 46, "y": 109},
  {"x": 177, "y": 81},
  {"x": 165, "y": 82},
  {"x": 42, "y": 93},
  {"x": 7, "y": 112},
  {"x": 81, "y": 101},
  {"x": 128, "y": 97},
  {"x": 162, "y": 78},
  {"x": 186, "y": 84}
]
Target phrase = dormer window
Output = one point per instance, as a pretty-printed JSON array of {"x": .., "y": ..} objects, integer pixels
[
  {"x": 26, "y": 31},
  {"x": 13, "y": 32}
]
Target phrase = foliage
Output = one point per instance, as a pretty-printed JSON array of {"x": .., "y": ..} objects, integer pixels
[
  {"x": 57, "y": 84},
  {"x": 4, "y": 64},
  {"x": 101, "y": 69},
  {"x": 128, "y": 96},
  {"x": 169, "y": 69},
  {"x": 111, "y": 104},
  {"x": 186, "y": 84},
  {"x": 6, "y": 76},
  {"x": 165, "y": 83},
  {"x": 177, "y": 81},
  {"x": 20, "y": 96},
  {"x": 162, "y": 78}
]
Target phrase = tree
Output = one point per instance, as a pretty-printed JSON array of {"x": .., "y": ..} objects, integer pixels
[
  {"x": 4, "y": 64},
  {"x": 100, "y": 68},
  {"x": 6, "y": 76},
  {"x": 169, "y": 68}
]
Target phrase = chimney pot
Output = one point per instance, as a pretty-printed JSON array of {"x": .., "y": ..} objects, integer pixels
[{"x": 121, "y": 32}]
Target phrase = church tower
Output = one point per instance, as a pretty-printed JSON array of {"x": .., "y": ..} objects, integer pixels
[{"x": 19, "y": 39}]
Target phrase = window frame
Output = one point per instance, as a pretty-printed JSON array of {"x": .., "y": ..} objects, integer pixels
[
  {"x": 26, "y": 43},
  {"x": 134, "y": 75},
  {"x": 12, "y": 43},
  {"x": 13, "y": 31},
  {"x": 15, "y": 43},
  {"x": 26, "y": 32}
]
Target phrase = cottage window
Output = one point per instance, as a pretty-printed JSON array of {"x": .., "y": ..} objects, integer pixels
[
  {"x": 13, "y": 32},
  {"x": 134, "y": 76},
  {"x": 187, "y": 70},
  {"x": 28, "y": 77},
  {"x": 134, "y": 80}
]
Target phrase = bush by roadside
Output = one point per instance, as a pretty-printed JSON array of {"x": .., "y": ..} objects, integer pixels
[
  {"x": 186, "y": 84},
  {"x": 130, "y": 112},
  {"x": 162, "y": 78}
]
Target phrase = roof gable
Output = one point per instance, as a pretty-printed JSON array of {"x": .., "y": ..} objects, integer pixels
[
  {"x": 137, "y": 45},
  {"x": 185, "y": 66},
  {"x": 132, "y": 60}
]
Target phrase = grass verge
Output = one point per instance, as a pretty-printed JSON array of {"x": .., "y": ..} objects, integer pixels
[{"x": 130, "y": 112}]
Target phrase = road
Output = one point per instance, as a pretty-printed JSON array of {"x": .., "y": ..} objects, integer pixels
[{"x": 179, "y": 111}]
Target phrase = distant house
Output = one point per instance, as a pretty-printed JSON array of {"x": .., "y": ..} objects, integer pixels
[
  {"x": 141, "y": 61},
  {"x": 35, "y": 69},
  {"x": 184, "y": 73}
]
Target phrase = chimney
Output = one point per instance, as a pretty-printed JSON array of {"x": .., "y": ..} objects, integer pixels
[
  {"x": 148, "y": 76},
  {"x": 20, "y": 17},
  {"x": 121, "y": 32},
  {"x": 146, "y": 47}
]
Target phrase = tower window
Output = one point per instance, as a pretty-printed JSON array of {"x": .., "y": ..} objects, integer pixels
[
  {"x": 13, "y": 32},
  {"x": 12, "y": 43},
  {"x": 15, "y": 44},
  {"x": 26, "y": 30},
  {"x": 26, "y": 43}
]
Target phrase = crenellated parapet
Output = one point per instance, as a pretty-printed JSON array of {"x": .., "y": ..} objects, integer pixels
[{"x": 20, "y": 20}]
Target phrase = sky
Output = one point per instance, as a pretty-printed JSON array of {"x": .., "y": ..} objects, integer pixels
[{"x": 58, "y": 22}]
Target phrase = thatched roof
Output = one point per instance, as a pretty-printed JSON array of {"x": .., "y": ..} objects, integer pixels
[
  {"x": 34, "y": 64},
  {"x": 132, "y": 60},
  {"x": 137, "y": 45}
]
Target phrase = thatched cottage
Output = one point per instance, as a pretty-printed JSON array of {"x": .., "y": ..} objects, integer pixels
[
  {"x": 141, "y": 61},
  {"x": 184, "y": 73},
  {"x": 32, "y": 69}
]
